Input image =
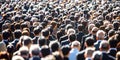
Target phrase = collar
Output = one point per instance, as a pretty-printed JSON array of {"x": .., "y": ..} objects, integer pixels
[{"x": 113, "y": 49}]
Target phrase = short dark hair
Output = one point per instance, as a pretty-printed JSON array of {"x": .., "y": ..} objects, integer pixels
[
  {"x": 80, "y": 27},
  {"x": 45, "y": 32},
  {"x": 65, "y": 50},
  {"x": 45, "y": 51},
  {"x": 27, "y": 40},
  {"x": 89, "y": 41},
  {"x": 36, "y": 30},
  {"x": 5, "y": 34},
  {"x": 54, "y": 46},
  {"x": 41, "y": 41},
  {"x": 72, "y": 37},
  {"x": 113, "y": 42},
  {"x": 17, "y": 33},
  {"x": 17, "y": 26}
]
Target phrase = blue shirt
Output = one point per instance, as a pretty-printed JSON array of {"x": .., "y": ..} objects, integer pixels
[{"x": 73, "y": 54}]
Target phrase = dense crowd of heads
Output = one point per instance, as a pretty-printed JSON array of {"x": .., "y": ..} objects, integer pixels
[{"x": 59, "y": 30}]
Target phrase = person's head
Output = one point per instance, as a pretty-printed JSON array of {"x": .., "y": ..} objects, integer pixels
[
  {"x": 97, "y": 55},
  {"x": 17, "y": 57},
  {"x": 116, "y": 25},
  {"x": 65, "y": 50},
  {"x": 17, "y": 34},
  {"x": 89, "y": 42},
  {"x": 36, "y": 31},
  {"x": 34, "y": 50},
  {"x": 54, "y": 24},
  {"x": 104, "y": 46},
  {"x": 118, "y": 56},
  {"x": 76, "y": 44},
  {"x": 45, "y": 51},
  {"x": 71, "y": 31},
  {"x": 25, "y": 33},
  {"x": 17, "y": 26},
  {"x": 41, "y": 41},
  {"x": 4, "y": 55},
  {"x": 113, "y": 42},
  {"x": 54, "y": 46},
  {"x": 24, "y": 52},
  {"x": 5, "y": 34},
  {"x": 45, "y": 32},
  {"x": 80, "y": 27},
  {"x": 24, "y": 25},
  {"x": 111, "y": 33},
  {"x": 118, "y": 46},
  {"x": 90, "y": 26},
  {"x": 94, "y": 30},
  {"x": 72, "y": 37},
  {"x": 89, "y": 52},
  {"x": 27, "y": 41},
  {"x": 100, "y": 35}
]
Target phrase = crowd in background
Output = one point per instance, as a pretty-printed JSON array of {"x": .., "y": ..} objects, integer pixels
[{"x": 60, "y": 30}]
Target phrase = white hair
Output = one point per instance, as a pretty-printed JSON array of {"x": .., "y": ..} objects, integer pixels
[
  {"x": 71, "y": 31},
  {"x": 100, "y": 34}
]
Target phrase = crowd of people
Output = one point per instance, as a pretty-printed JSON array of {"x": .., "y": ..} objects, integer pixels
[{"x": 60, "y": 30}]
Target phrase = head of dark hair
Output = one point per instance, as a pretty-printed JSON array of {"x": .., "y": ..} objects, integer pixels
[
  {"x": 89, "y": 41},
  {"x": 36, "y": 31},
  {"x": 65, "y": 50},
  {"x": 17, "y": 26},
  {"x": 112, "y": 42},
  {"x": 17, "y": 33},
  {"x": 41, "y": 41},
  {"x": 5, "y": 34},
  {"x": 72, "y": 37},
  {"x": 23, "y": 25},
  {"x": 54, "y": 46},
  {"x": 45, "y": 32},
  {"x": 80, "y": 27},
  {"x": 111, "y": 33},
  {"x": 45, "y": 51}
]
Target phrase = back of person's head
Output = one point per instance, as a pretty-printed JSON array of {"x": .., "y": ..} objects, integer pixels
[
  {"x": 116, "y": 25},
  {"x": 41, "y": 41},
  {"x": 89, "y": 42},
  {"x": 24, "y": 52},
  {"x": 80, "y": 27},
  {"x": 71, "y": 31},
  {"x": 26, "y": 33},
  {"x": 65, "y": 50},
  {"x": 27, "y": 41},
  {"x": 68, "y": 26},
  {"x": 23, "y": 25},
  {"x": 5, "y": 26},
  {"x": 45, "y": 32},
  {"x": 5, "y": 34},
  {"x": 45, "y": 51},
  {"x": 111, "y": 33},
  {"x": 104, "y": 46},
  {"x": 90, "y": 26},
  {"x": 72, "y": 37},
  {"x": 113, "y": 42},
  {"x": 118, "y": 56},
  {"x": 17, "y": 57},
  {"x": 10, "y": 48},
  {"x": 17, "y": 33},
  {"x": 54, "y": 24},
  {"x": 76, "y": 44},
  {"x": 4, "y": 55},
  {"x": 118, "y": 46},
  {"x": 94, "y": 30},
  {"x": 55, "y": 46},
  {"x": 97, "y": 55},
  {"x": 89, "y": 52},
  {"x": 34, "y": 50},
  {"x": 17, "y": 26},
  {"x": 100, "y": 35},
  {"x": 37, "y": 31},
  {"x": 3, "y": 47}
]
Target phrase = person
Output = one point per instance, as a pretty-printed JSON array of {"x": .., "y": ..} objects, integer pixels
[
  {"x": 65, "y": 51},
  {"x": 75, "y": 48},
  {"x": 88, "y": 35},
  {"x": 118, "y": 56},
  {"x": 89, "y": 43},
  {"x": 104, "y": 47},
  {"x": 34, "y": 52},
  {"x": 97, "y": 55},
  {"x": 100, "y": 36}
]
